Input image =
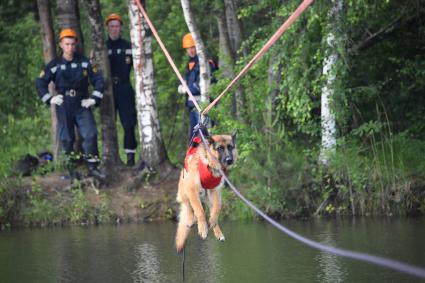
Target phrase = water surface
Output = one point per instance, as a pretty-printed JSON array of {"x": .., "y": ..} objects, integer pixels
[{"x": 253, "y": 252}]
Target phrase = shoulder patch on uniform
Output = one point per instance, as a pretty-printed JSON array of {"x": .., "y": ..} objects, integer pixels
[
  {"x": 41, "y": 74},
  {"x": 53, "y": 69}
]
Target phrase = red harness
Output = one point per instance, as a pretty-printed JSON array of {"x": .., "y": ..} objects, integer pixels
[{"x": 208, "y": 181}]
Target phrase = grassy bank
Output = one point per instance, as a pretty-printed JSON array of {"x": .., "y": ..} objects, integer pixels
[
  {"x": 50, "y": 200},
  {"x": 370, "y": 174},
  {"x": 373, "y": 177}
]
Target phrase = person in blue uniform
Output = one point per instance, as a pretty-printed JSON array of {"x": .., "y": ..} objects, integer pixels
[
  {"x": 192, "y": 79},
  {"x": 71, "y": 74},
  {"x": 120, "y": 58}
]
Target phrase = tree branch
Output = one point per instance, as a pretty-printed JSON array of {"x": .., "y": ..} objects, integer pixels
[{"x": 374, "y": 38}]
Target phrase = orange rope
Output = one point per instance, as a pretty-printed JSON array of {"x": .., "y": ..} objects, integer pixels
[
  {"x": 170, "y": 60},
  {"x": 263, "y": 50},
  {"x": 301, "y": 8}
]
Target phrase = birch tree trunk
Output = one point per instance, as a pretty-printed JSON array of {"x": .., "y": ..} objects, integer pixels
[
  {"x": 47, "y": 34},
  {"x": 328, "y": 127},
  {"x": 110, "y": 155},
  {"x": 205, "y": 74},
  {"x": 152, "y": 145},
  {"x": 68, "y": 15},
  {"x": 49, "y": 53},
  {"x": 227, "y": 60},
  {"x": 226, "y": 54},
  {"x": 233, "y": 26},
  {"x": 274, "y": 79},
  {"x": 234, "y": 30}
]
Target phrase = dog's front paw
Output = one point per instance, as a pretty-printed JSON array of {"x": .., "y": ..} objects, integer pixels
[
  {"x": 218, "y": 234},
  {"x": 202, "y": 229}
]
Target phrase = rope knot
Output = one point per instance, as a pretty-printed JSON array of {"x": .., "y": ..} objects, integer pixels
[{"x": 202, "y": 126}]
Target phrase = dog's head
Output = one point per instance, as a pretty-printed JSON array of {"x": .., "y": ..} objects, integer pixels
[{"x": 223, "y": 147}]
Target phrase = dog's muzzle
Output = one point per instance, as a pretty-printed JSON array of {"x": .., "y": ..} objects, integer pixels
[{"x": 228, "y": 160}]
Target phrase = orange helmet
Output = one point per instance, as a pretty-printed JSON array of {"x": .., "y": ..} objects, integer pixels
[
  {"x": 67, "y": 33},
  {"x": 113, "y": 17},
  {"x": 188, "y": 41}
]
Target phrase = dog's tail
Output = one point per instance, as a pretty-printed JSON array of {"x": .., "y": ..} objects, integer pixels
[{"x": 183, "y": 228}]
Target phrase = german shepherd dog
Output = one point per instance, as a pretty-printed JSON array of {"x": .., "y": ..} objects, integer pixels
[{"x": 202, "y": 172}]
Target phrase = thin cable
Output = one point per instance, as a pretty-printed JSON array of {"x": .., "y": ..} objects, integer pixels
[
  {"x": 167, "y": 55},
  {"x": 263, "y": 50},
  {"x": 389, "y": 263},
  {"x": 183, "y": 263}
]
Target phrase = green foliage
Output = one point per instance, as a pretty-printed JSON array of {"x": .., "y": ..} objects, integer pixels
[
  {"x": 77, "y": 211},
  {"x": 378, "y": 103},
  {"x": 20, "y": 136},
  {"x": 19, "y": 66},
  {"x": 39, "y": 210},
  {"x": 384, "y": 170},
  {"x": 38, "y": 207}
]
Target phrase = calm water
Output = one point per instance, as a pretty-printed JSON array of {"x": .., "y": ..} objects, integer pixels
[{"x": 253, "y": 252}]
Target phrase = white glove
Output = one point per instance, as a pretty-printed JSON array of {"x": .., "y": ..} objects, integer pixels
[
  {"x": 87, "y": 103},
  {"x": 181, "y": 89},
  {"x": 57, "y": 99}
]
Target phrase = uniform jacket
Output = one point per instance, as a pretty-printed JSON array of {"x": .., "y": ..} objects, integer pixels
[
  {"x": 120, "y": 57},
  {"x": 70, "y": 75},
  {"x": 192, "y": 77}
]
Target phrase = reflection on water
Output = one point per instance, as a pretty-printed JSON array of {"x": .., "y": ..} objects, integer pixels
[
  {"x": 253, "y": 252},
  {"x": 208, "y": 264},
  {"x": 147, "y": 265},
  {"x": 331, "y": 269}
]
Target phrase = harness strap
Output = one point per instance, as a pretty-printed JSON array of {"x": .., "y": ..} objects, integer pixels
[{"x": 208, "y": 180}]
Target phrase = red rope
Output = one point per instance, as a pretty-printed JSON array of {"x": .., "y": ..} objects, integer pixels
[
  {"x": 167, "y": 55},
  {"x": 301, "y": 8},
  {"x": 263, "y": 50}
]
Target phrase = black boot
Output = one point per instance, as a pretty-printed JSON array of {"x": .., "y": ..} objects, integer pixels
[
  {"x": 95, "y": 172},
  {"x": 74, "y": 175},
  {"x": 72, "y": 169},
  {"x": 130, "y": 159}
]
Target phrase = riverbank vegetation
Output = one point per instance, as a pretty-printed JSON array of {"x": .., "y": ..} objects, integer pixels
[{"x": 377, "y": 166}]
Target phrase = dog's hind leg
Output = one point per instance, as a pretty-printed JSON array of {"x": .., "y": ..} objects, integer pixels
[
  {"x": 214, "y": 197},
  {"x": 183, "y": 227}
]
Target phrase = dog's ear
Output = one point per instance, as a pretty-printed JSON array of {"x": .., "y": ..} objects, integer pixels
[{"x": 234, "y": 138}]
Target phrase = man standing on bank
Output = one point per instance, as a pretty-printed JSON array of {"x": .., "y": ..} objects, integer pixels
[
  {"x": 192, "y": 79},
  {"x": 71, "y": 74},
  {"x": 120, "y": 58}
]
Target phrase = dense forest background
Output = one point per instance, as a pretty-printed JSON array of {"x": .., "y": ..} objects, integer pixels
[{"x": 378, "y": 99}]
